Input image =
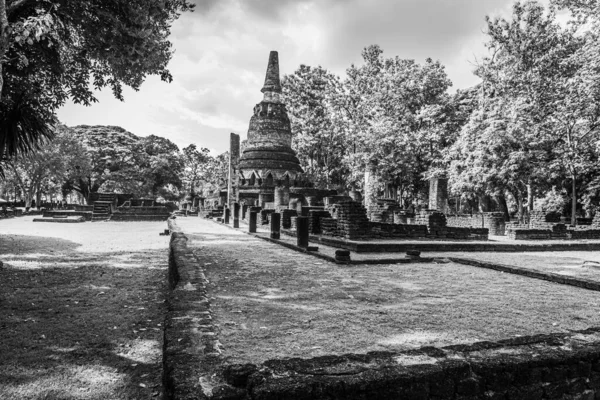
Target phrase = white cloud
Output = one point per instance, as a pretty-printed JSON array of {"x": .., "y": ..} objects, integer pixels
[{"x": 222, "y": 51}]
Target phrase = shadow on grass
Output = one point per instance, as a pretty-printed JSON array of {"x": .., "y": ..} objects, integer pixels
[
  {"x": 23, "y": 244},
  {"x": 81, "y": 326}
]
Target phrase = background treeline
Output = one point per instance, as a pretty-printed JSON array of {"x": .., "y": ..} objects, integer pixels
[
  {"x": 87, "y": 159},
  {"x": 527, "y": 136}
]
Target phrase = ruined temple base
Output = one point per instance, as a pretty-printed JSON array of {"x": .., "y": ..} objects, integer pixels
[{"x": 498, "y": 244}]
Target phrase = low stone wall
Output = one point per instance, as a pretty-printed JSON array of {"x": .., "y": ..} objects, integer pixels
[
  {"x": 191, "y": 347},
  {"x": 583, "y": 233},
  {"x": 86, "y": 215},
  {"x": 352, "y": 221},
  {"x": 596, "y": 221},
  {"x": 314, "y": 220},
  {"x": 264, "y": 216},
  {"x": 383, "y": 231},
  {"x": 494, "y": 222},
  {"x": 528, "y": 234},
  {"x": 286, "y": 218},
  {"x": 555, "y": 366},
  {"x": 151, "y": 213}
]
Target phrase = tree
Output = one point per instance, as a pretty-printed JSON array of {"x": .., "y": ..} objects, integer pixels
[
  {"x": 52, "y": 164},
  {"x": 160, "y": 174},
  {"x": 310, "y": 95},
  {"x": 50, "y": 50},
  {"x": 389, "y": 107},
  {"x": 549, "y": 75},
  {"x": 196, "y": 163},
  {"x": 122, "y": 162}
]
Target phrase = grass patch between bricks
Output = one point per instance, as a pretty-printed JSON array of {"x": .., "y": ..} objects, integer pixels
[{"x": 270, "y": 302}]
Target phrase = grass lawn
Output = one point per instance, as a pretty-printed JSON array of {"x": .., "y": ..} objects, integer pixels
[
  {"x": 578, "y": 264},
  {"x": 271, "y": 302},
  {"x": 81, "y": 310}
]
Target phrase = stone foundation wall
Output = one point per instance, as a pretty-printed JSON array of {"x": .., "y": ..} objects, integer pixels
[
  {"x": 191, "y": 347},
  {"x": 437, "y": 226},
  {"x": 596, "y": 221},
  {"x": 352, "y": 221},
  {"x": 528, "y": 234},
  {"x": 286, "y": 218},
  {"x": 384, "y": 231},
  {"x": 494, "y": 222},
  {"x": 554, "y": 366},
  {"x": 314, "y": 220},
  {"x": 583, "y": 233},
  {"x": 151, "y": 213},
  {"x": 264, "y": 217}
]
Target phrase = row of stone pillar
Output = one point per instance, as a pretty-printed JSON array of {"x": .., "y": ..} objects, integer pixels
[{"x": 301, "y": 229}]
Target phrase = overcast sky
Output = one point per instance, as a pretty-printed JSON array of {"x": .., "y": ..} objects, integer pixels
[{"x": 223, "y": 47}]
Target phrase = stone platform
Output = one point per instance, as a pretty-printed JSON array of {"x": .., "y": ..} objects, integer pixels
[
  {"x": 61, "y": 220},
  {"x": 87, "y": 215},
  {"x": 497, "y": 244}
]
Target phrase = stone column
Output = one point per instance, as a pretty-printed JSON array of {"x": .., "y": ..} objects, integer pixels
[
  {"x": 370, "y": 185},
  {"x": 275, "y": 226},
  {"x": 236, "y": 215},
  {"x": 227, "y": 215},
  {"x": 252, "y": 222},
  {"x": 232, "y": 176},
  {"x": 438, "y": 194},
  {"x": 302, "y": 231}
]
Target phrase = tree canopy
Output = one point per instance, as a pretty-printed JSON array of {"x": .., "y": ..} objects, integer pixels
[{"x": 54, "y": 50}]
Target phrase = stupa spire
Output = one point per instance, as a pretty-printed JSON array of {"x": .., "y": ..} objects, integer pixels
[{"x": 272, "y": 83}]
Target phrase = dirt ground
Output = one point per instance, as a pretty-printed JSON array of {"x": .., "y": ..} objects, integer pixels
[
  {"x": 272, "y": 302},
  {"x": 81, "y": 309}
]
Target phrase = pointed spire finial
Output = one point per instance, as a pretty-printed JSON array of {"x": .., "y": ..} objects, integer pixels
[{"x": 272, "y": 83}]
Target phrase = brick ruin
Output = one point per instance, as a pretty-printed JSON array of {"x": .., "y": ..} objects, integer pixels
[
  {"x": 265, "y": 176},
  {"x": 548, "y": 226}
]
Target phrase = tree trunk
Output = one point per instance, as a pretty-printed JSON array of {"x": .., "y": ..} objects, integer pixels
[
  {"x": 4, "y": 40},
  {"x": 501, "y": 200},
  {"x": 574, "y": 201},
  {"x": 38, "y": 196},
  {"x": 529, "y": 197}
]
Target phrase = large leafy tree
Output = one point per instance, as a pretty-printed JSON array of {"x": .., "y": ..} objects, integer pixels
[
  {"x": 391, "y": 107},
  {"x": 122, "y": 162},
  {"x": 33, "y": 173},
  {"x": 196, "y": 165},
  {"x": 51, "y": 50},
  {"x": 540, "y": 72},
  {"x": 310, "y": 94}
]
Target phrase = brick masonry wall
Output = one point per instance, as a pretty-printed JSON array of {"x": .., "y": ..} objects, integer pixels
[
  {"x": 286, "y": 215},
  {"x": 352, "y": 221},
  {"x": 596, "y": 221},
  {"x": 383, "y": 231},
  {"x": 264, "y": 216},
  {"x": 314, "y": 220},
  {"x": 191, "y": 346},
  {"x": 555, "y": 366},
  {"x": 438, "y": 228}
]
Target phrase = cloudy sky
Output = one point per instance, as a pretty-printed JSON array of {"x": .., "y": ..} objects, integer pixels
[{"x": 223, "y": 47}]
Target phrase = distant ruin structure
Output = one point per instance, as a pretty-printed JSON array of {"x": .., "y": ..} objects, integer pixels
[{"x": 232, "y": 178}]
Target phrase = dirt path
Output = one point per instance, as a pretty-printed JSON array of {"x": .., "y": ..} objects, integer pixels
[
  {"x": 81, "y": 309},
  {"x": 272, "y": 302}
]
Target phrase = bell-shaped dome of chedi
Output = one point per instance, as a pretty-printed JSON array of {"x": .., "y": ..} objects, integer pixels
[{"x": 269, "y": 145}]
